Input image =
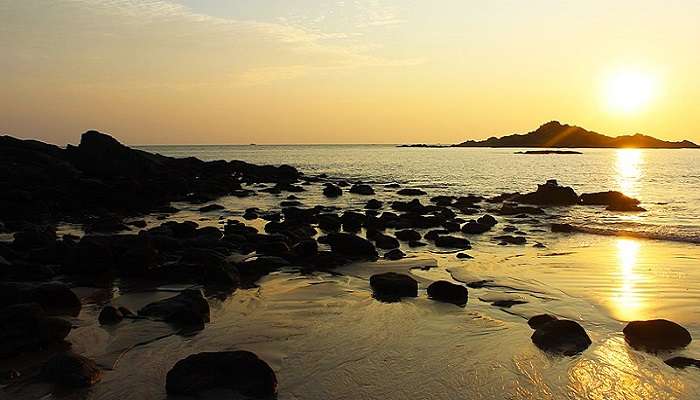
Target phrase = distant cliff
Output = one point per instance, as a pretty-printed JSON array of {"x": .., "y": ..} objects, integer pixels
[{"x": 554, "y": 134}]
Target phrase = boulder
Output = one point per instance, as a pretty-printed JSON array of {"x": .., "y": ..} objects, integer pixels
[
  {"x": 609, "y": 198},
  {"x": 385, "y": 242},
  {"x": 448, "y": 292},
  {"x": 332, "y": 191},
  {"x": 539, "y": 320},
  {"x": 394, "y": 254},
  {"x": 362, "y": 189},
  {"x": 306, "y": 248},
  {"x": 682, "y": 362},
  {"x": 487, "y": 220},
  {"x": 550, "y": 194},
  {"x": 26, "y": 327},
  {"x": 110, "y": 315},
  {"x": 464, "y": 256},
  {"x": 373, "y": 204},
  {"x": 411, "y": 192},
  {"x": 351, "y": 246},
  {"x": 656, "y": 334},
  {"x": 188, "y": 308},
  {"x": 71, "y": 370},
  {"x": 473, "y": 227},
  {"x": 391, "y": 286},
  {"x": 507, "y": 239},
  {"x": 561, "y": 336},
  {"x": 407, "y": 235},
  {"x": 452, "y": 242},
  {"x": 443, "y": 200},
  {"x": 239, "y": 371}
]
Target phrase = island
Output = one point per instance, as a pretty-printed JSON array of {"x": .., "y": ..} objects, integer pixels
[
  {"x": 556, "y": 135},
  {"x": 548, "y": 152}
]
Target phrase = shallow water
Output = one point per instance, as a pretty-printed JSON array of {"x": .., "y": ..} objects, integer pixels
[{"x": 327, "y": 338}]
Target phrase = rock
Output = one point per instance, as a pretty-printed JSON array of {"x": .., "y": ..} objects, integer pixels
[
  {"x": 239, "y": 371},
  {"x": 34, "y": 237},
  {"x": 657, "y": 334},
  {"x": 391, "y": 286},
  {"x": 507, "y": 239},
  {"x": 411, "y": 192},
  {"x": 332, "y": 191},
  {"x": 448, "y": 292},
  {"x": 624, "y": 207},
  {"x": 329, "y": 222},
  {"x": 487, "y": 220},
  {"x": 212, "y": 207},
  {"x": 539, "y": 320},
  {"x": 351, "y": 246},
  {"x": 187, "y": 308},
  {"x": 464, "y": 256},
  {"x": 385, "y": 242},
  {"x": 432, "y": 235},
  {"x": 510, "y": 209},
  {"x": 71, "y": 370},
  {"x": 373, "y": 204},
  {"x": 539, "y": 245},
  {"x": 26, "y": 327},
  {"x": 507, "y": 303},
  {"x": 55, "y": 298},
  {"x": 610, "y": 198},
  {"x": 137, "y": 223},
  {"x": 416, "y": 243},
  {"x": 110, "y": 316},
  {"x": 362, "y": 189},
  {"x": 452, "y": 242},
  {"x": 682, "y": 362},
  {"x": 443, "y": 200},
  {"x": 407, "y": 235},
  {"x": 550, "y": 194},
  {"x": 561, "y": 336},
  {"x": 564, "y": 228},
  {"x": 394, "y": 254},
  {"x": 306, "y": 248},
  {"x": 474, "y": 227}
]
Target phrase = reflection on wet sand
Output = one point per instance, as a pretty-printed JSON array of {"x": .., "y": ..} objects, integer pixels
[{"x": 628, "y": 304}]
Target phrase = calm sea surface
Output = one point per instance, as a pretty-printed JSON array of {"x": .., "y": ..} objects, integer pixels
[{"x": 666, "y": 181}]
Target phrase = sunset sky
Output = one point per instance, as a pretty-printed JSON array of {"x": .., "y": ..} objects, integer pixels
[{"x": 353, "y": 71}]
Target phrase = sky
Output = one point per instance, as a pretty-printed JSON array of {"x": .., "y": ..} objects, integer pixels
[{"x": 350, "y": 71}]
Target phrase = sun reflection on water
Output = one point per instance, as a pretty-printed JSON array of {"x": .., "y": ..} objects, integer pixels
[
  {"x": 629, "y": 168},
  {"x": 628, "y": 304}
]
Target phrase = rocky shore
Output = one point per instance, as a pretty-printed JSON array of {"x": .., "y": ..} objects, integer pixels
[{"x": 110, "y": 190}]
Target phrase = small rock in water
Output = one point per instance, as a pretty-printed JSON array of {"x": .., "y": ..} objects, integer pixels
[
  {"x": 351, "y": 246},
  {"x": 391, "y": 286},
  {"x": 211, "y": 207},
  {"x": 362, "y": 189},
  {"x": 332, "y": 191},
  {"x": 394, "y": 254},
  {"x": 407, "y": 235},
  {"x": 385, "y": 242},
  {"x": 507, "y": 239},
  {"x": 452, "y": 242},
  {"x": 561, "y": 336},
  {"x": 539, "y": 320},
  {"x": 239, "y": 371},
  {"x": 656, "y": 334},
  {"x": 187, "y": 308},
  {"x": 448, "y": 292},
  {"x": 373, "y": 204},
  {"x": 411, "y": 192},
  {"x": 539, "y": 245},
  {"x": 416, "y": 243},
  {"x": 464, "y": 256},
  {"x": 110, "y": 316},
  {"x": 71, "y": 370},
  {"x": 565, "y": 228},
  {"x": 682, "y": 362}
]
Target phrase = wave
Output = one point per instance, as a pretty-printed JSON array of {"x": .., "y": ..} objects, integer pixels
[{"x": 673, "y": 236}]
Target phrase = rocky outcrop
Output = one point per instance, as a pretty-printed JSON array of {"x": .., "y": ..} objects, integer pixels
[
  {"x": 550, "y": 194},
  {"x": 391, "y": 286},
  {"x": 448, "y": 292},
  {"x": 352, "y": 246},
  {"x": 656, "y": 335},
  {"x": 559, "y": 336}
]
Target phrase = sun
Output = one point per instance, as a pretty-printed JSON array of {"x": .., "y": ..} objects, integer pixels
[{"x": 629, "y": 91}]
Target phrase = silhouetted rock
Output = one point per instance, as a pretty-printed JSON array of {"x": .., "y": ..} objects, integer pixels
[
  {"x": 26, "y": 327},
  {"x": 238, "y": 371},
  {"x": 391, "y": 286},
  {"x": 539, "y": 320},
  {"x": 487, "y": 220},
  {"x": 373, "y": 204},
  {"x": 212, "y": 207},
  {"x": 407, "y": 235},
  {"x": 464, "y": 256},
  {"x": 448, "y": 292},
  {"x": 411, "y": 192},
  {"x": 385, "y": 242},
  {"x": 443, "y": 200},
  {"x": 362, "y": 189},
  {"x": 564, "y": 228},
  {"x": 511, "y": 209},
  {"x": 561, "y": 336},
  {"x": 473, "y": 227},
  {"x": 110, "y": 315},
  {"x": 682, "y": 362},
  {"x": 306, "y": 248},
  {"x": 550, "y": 194},
  {"x": 55, "y": 298},
  {"x": 452, "y": 242},
  {"x": 71, "y": 370},
  {"x": 187, "y": 308},
  {"x": 351, "y": 246},
  {"x": 507, "y": 239},
  {"x": 625, "y": 207},
  {"x": 332, "y": 191},
  {"x": 394, "y": 254},
  {"x": 656, "y": 334}
]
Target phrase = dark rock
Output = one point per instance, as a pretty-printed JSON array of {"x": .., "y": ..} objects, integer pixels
[
  {"x": 385, "y": 242},
  {"x": 407, "y": 235},
  {"x": 452, "y": 242},
  {"x": 110, "y": 315},
  {"x": 564, "y": 228},
  {"x": 611, "y": 198},
  {"x": 71, "y": 370},
  {"x": 55, "y": 298},
  {"x": 332, "y": 191},
  {"x": 508, "y": 303},
  {"x": 411, "y": 192},
  {"x": 507, "y": 239},
  {"x": 624, "y": 207},
  {"x": 682, "y": 362},
  {"x": 443, "y": 200},
  {"x": 329, "y": 222},
  {"x": 26, "y": 327},
  {"x": 657, "y": 334},
  {"x": 373, "y": 204},
  {"x": 487, "y": 220},
  {"x": 432, "y": 235},
  {"x": 473, "y": 227},
  {"x": 416, "y": 243},
  {"x": 561, "y": 336},
  {"x": 238, "y": 371},
  {"x": 448, "y": 292},
  {"x": 211, "y": 207},
  {"x": 352, "y": 246},
  {"x": 362, "y": 189},
  {"x": 464, "y": 256},
  {"x": 34, "y": 237},
  {"x": 126, "y": 312},
  {"x": 550, "y": 194},
  {"x": 510, "y": 209},
  {"x": 187, "y": 308},
  {"x": 391, "y": 286},
  {"x": 394, "y": 254},
  {"x": 137, "y": 223},
  {"x": 306, "y": 248},
  {"x": 539, "y": 320},
  {"x": 106, "y": 224},
  {"x": 539, "y": 245}
]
